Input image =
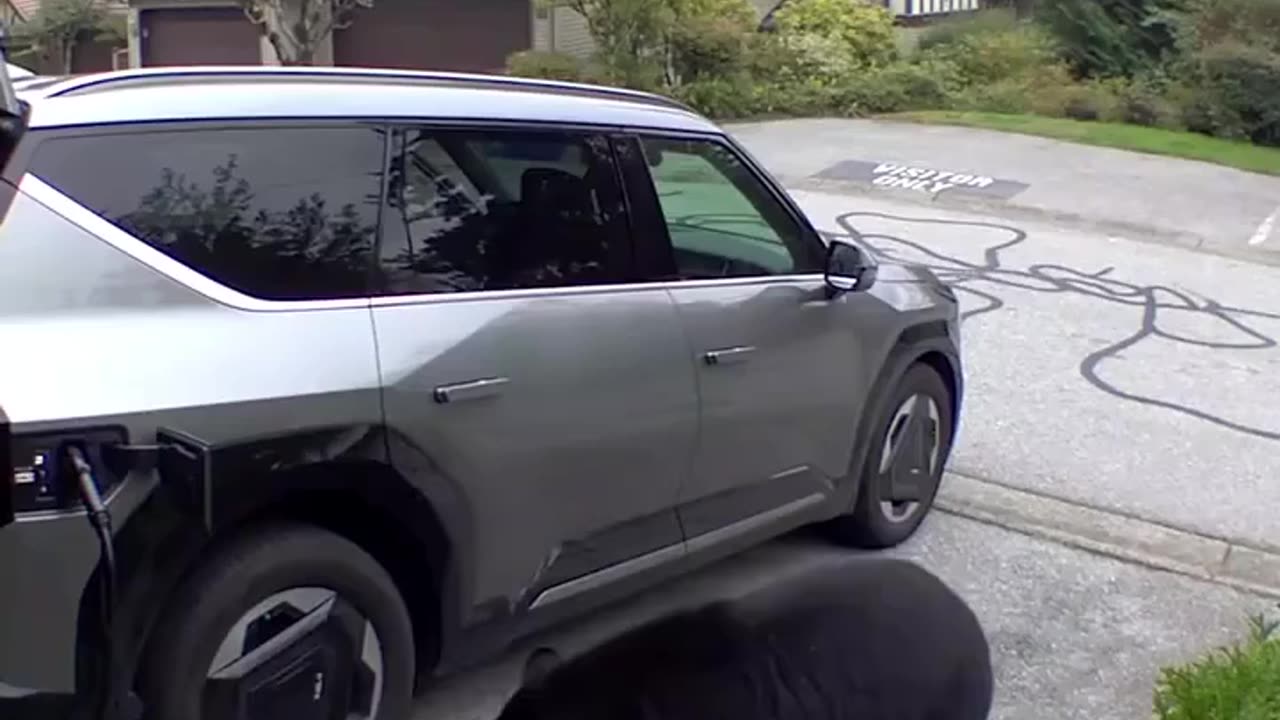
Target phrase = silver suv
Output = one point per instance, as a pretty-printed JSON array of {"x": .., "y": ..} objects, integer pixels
[{"x": 376, "y": 371}]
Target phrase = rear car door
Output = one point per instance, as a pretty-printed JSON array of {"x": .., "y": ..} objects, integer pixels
[
  {"x": 520, "y": 363},
  {"x": 776, "y": 357}
]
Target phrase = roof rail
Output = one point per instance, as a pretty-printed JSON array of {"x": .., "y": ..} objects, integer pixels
[{"x": 107, "y": 81}]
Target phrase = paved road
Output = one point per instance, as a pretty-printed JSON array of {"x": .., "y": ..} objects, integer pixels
[
  {"x": 1138, "y": 195},
  {"x": 1073, "y": 635},
  {"x": 1130, "y": 376}
]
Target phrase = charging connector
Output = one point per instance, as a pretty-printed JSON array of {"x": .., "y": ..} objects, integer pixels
[{"x": 100, "y": 518}]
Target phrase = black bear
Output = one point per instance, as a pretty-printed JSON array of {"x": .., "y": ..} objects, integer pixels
[{"x": 872, "y": 639}]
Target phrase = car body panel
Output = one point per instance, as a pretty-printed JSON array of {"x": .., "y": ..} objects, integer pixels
[{"x": 591, "y": 430}]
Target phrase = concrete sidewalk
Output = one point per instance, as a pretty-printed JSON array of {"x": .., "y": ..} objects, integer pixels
[{"x": 1130, "y": 195}]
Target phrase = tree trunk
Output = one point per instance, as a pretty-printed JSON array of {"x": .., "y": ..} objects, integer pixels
[{"x": 68, "y": 55}]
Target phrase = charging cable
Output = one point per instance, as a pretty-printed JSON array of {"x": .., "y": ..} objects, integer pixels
[{"x": 100, "y": 519}]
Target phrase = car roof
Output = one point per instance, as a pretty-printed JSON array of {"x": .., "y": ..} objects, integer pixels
[{"x": 222, "y": 93}]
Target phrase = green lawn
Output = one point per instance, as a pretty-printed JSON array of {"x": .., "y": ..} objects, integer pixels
[{"x": 1156, "y": 141}]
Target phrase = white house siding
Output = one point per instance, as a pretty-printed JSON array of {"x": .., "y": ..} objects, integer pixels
[
  {"x": 569, "y": 34},
  {"x": 914, "y": 8}
]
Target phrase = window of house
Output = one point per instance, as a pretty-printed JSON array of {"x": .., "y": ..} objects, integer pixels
[{"x": 279, "y": 213}]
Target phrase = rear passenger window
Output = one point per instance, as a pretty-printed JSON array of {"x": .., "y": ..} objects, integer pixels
[
  {"x": 500, "y": 210},
  {"x": 281, "y": 213}
]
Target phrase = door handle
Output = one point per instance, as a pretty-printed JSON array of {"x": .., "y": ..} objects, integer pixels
[
  {"x": 728, "y": 356},
  {"x": 470, "y": 390}
]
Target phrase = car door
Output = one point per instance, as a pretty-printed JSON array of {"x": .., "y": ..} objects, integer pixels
[
  {"x": 775, "y": 354},
  {"x": 517, "y": 357}
]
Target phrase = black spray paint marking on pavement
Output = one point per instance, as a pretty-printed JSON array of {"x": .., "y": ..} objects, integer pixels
[
  {"x": 930, "y": 181},
  {"x": 1156, "y": 301}
]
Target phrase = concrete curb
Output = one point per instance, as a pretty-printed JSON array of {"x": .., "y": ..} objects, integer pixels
[
  {"x": 1219, "y": 560},
  {"x": 1014, "y": 211}
]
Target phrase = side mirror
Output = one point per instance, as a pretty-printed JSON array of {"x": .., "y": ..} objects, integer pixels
[{"x": 849, "y": 267}]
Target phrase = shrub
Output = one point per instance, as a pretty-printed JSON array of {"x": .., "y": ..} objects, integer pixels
[
  {"x": 1004, "y": 96},
  {"x": 810, "y": 56},
  {"x": 1215, "y": 22},
  {"x": 864, "y": 30},
  {"x": 548, "y": 65},
  {"x": 705, "y": 46},
  {"x": 894, "y": 88},
  {"x": 1145, "y": 100},
  {"x": 735, "y": 13},
  {"x": 722, "y": 98},
  {"x": 952, "y": 31},
  {"x": 984, "y": 58},
  {"x": 1106, "y": 38},
  {"x": 1235, "y": 683},
  {"x": 1244, "y": 83}
]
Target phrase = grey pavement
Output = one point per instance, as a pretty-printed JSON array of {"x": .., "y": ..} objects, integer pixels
[
  {"x": 1136, "y": 378},
  {"x": 1073, "y": 634},
  {"x": 1137, "y": 196}
]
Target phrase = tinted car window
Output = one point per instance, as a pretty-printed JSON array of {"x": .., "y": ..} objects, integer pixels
[
  {"x": 281, "y": 213},
  {"x": 497, "y": 210},
  {"x": 722, "y": 220}
]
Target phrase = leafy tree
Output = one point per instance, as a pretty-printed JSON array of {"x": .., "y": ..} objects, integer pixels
[
  {"x": 648, "y": 44},
  {"x": 1106, "y": 38},
  {"x": 295, "y": 28},
  {"x": 52, "y": 34},
  {"x": 863, "y": 30}
]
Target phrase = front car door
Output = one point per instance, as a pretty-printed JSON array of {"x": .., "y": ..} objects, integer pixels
[
  {"x": 777, "y": 357},
  {"x": 519, "y": 364}
]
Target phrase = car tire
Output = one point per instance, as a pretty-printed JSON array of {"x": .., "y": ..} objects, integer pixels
[
  {"x": 262, "y": 566},
  {"x": 873, "y": 523}
]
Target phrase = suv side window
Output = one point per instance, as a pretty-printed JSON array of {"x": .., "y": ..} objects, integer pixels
[
  {"x": 279, "y": 213},
  {"x": 471, "y": 210},
  {"x": 722, "y": 220}
]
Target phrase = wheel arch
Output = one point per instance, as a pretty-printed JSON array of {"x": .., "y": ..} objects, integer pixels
[
  {"x": 362, "y": 496},
  {"x": 929, "y": 343}
]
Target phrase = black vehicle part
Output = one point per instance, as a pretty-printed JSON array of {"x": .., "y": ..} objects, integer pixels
[
  {"x": 311, "y": 673},
  {"x": 867, "y": 526},
  {"x": 100, "y": 518},
  {"x": 8, "y": 478}
]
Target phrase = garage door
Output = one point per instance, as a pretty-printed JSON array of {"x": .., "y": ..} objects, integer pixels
[
  {"x": 199, "y": 36},
  {"x": 465, "y": 35}
]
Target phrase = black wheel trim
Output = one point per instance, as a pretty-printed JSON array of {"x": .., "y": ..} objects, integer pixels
[
  {"x": 319, "y": 609},
  {"x": 908, "y": 472}
]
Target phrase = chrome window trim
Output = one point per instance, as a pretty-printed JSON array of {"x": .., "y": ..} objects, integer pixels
[{"x": 87, "y": 220}]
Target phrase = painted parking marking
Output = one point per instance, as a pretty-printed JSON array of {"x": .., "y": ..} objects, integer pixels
[
  {"x": 1264, "y": 230},
  {"x": 923, "y": 179}
]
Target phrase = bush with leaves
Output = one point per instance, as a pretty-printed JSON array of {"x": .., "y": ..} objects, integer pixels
[
  {"x": 546, "y": 65},
  {"x": 703, "y": 47},
  {"x": 1207, "y": 23},
  {"x": 1105, "y": 38},
  {"x": 991, "y": 57},
  {"x": 630, "y": 38},
  {"x": 864, "y": 31},
  {"x": 1244, "y": 83},
  {"x": 1241, "y": 682},
  {"x": 52, "y": 34},
  {"x": 950, "y": 31}
]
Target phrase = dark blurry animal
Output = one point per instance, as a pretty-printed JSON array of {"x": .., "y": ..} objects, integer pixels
[{"x": 875, "y": 639}]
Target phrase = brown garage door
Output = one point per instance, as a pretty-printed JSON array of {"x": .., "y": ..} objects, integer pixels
[
  {"x": 465, "y": 35},
  {"x": 199, "y": 36}
]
